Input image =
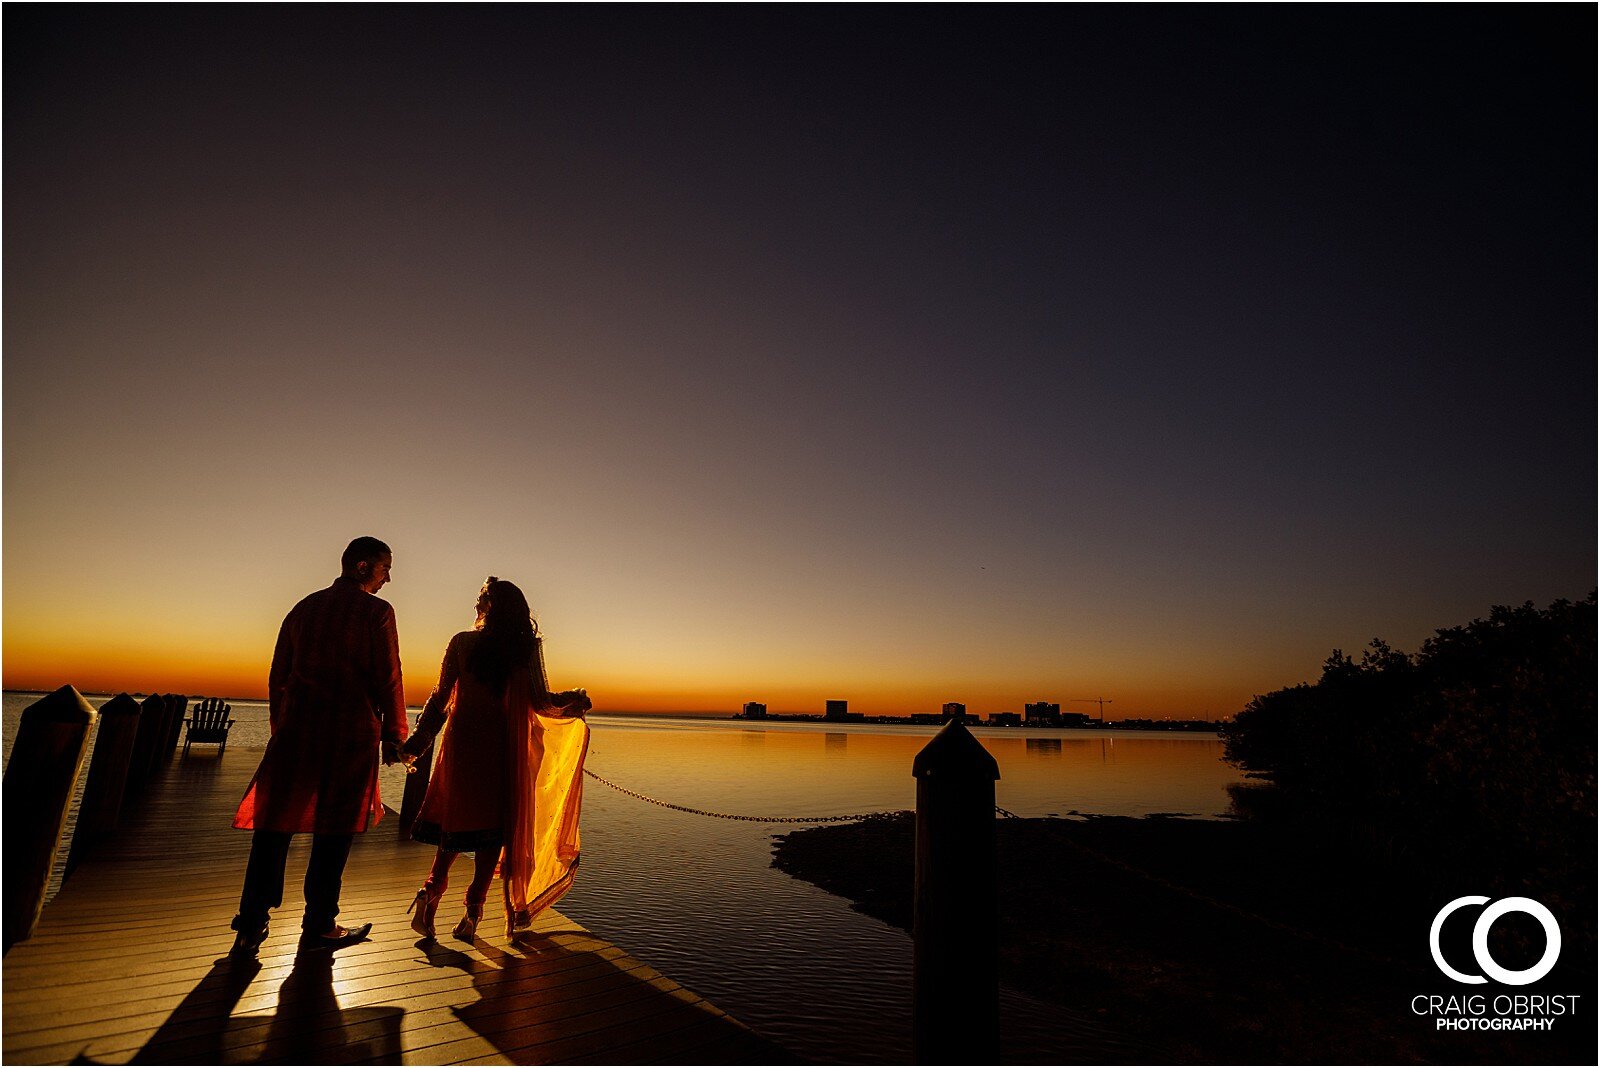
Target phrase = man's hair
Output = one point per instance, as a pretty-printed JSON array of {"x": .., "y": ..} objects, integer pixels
[{"x": 363, "y": 549}]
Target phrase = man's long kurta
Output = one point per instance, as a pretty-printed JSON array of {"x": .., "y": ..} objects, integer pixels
[{"x": 335, "y": 694}]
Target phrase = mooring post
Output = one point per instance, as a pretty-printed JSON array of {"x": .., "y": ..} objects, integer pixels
[
  {"x": 48, "y": 753},
  {"x": 152, "y": 732},
  {"x": 101, "y": 806},
  {"x": 158, "y": 752},
  {"x": 177, "y": 705},
  {"x": 955, "y": 982},
  {"x": 416, "y": 789}
]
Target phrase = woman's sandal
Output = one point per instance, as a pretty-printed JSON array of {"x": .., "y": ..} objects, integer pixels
[
  {"x": 467, "y": 929},
  {"x": 424, "y": 905}
]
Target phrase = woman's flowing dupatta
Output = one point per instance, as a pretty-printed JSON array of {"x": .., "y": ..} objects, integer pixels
[{"x": 545, "y": 795}]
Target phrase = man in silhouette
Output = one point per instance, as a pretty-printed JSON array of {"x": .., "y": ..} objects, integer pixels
[{"x": 336, "y": 701}]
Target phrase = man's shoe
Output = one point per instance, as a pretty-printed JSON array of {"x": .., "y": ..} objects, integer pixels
[
  {"x": 343, "y": 936},
  {"x": 246, "y": 943}
]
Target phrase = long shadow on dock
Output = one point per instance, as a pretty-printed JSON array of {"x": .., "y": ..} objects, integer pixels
[{"x": 308, "y": 1026}]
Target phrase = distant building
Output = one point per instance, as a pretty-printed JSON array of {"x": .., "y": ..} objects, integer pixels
[
  {"x": 1004, "y": 719},
  {"x": 837, "y": 710},
  {"x": 1076, "y": 719},
  {"x": 755, "y": 710},
  {"x": 949, "y": 712},
  {"x": 1042, "y": 714}
]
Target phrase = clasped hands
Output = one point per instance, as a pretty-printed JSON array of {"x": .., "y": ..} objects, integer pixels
[{"x": 395, "y": 753}]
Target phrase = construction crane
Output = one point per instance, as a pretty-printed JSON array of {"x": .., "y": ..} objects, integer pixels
[{"x": 1100, "y": 701}]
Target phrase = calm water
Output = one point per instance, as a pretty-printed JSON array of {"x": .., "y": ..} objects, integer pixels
[{"x": 697, "y": 898}]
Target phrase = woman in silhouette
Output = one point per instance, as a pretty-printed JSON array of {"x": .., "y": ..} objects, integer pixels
[{"x": 507, "y": 773}]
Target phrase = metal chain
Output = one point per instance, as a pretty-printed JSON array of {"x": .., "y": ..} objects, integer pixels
[{"x": 857, "y": 817}]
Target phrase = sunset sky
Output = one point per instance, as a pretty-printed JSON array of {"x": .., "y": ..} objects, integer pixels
[{"x": 894, "y": 354}]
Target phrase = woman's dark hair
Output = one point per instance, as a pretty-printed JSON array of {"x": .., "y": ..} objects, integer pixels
[{"x": 509, "y": 633}]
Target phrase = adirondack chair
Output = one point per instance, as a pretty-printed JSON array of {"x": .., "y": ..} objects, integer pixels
[{"x": 209, "y": 723}]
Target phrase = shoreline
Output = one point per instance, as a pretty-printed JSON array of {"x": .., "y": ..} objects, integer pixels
[{"x": 1221, "y": 941}]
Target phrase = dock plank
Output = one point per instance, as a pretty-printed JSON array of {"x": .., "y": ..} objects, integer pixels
[{"x": 129, "y": 963}]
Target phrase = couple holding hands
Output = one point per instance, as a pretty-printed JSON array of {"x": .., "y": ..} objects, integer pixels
[{"x": 507, "y": 775}]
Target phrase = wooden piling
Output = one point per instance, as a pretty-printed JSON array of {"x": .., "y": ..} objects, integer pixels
[
  {"x": 46, "y": 757},
  {"x": 955, "y": 1000},
  {"x": 147, "y": 741},
  {"x": 101, "y": 807},
  {"x": 158, "y": 746},
  {"x": 177, "y": 705}
]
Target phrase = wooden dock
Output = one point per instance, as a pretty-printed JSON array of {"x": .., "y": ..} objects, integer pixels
[{"x": 129, "y": 963}]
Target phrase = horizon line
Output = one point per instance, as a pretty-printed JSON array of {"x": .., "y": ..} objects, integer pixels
[{"x": 722, "y": 712}]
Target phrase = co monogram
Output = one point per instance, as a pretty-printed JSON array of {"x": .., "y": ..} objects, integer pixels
[{"x": 1480, "y": 940}]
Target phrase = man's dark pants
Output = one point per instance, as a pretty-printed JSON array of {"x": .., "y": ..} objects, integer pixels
[{"x": 263, "y": 880}]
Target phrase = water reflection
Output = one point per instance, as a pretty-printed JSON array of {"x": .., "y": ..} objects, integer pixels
[
  {"x": 780, "y": 770},
  {"x": 783, "y": 956}
]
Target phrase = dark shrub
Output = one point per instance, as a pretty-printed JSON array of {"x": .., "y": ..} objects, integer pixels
[{"x": 1473, "y": 758}]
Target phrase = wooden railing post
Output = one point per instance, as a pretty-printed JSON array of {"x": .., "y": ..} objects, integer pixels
[
  {"x": 101, "y": 806},
  {"x": 955, "y": 983},
  {"x": 177, "y": 705},
  {"x": 48, "y": 753},
  {"x": 152, "y": 731},
  {"x": 416, "y": 789}
]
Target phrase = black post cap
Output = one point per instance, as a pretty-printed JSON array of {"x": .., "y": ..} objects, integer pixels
[
  {"x": 954, "y": 753},
  {"x": 65, "y": 705},
  {"x": 120, "y": 705}
]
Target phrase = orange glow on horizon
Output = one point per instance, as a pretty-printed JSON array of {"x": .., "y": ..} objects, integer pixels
[
  {"x": 150, "y": 666},
  {"x": 631, "y": 656}
]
